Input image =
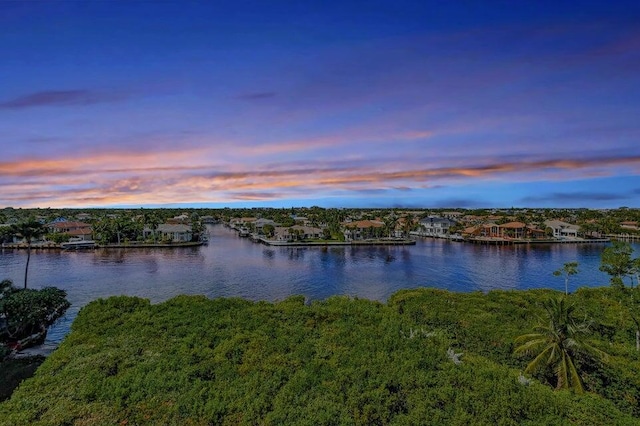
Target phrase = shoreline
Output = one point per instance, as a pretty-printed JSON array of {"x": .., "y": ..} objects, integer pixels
[
  {"x": 401, "y": 242},
  {"x": 510, "y": 241},
  {"x": 51, "y": 246}
]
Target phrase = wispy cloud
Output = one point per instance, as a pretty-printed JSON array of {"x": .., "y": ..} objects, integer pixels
[
  {"x": 255, "y": 196},
  {"x": 61, "y": 98},
  {"x": 176, "y": 176},
  {"x": 571, "y": 197}
]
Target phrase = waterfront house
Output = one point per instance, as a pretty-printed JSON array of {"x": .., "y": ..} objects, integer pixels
[
  {"x": 490, "y": 230},
  {"x": 434, "y": 226},
  {"x": 629, "y": 225},
  {"x": 363, "y": 229},
  {"x": 260, "y": 223},
  {"x": 78, "y": 231},
  {"x": 513, "y": 230},
  {"x": 510, "y": 230},
  {"x": 562, "y": 229},
  {"x": 471, "y": 231},
  {"x": 171, "y": 232},
  {"x": 535, "y": 232},
  {"x": 296, "y": 233}
]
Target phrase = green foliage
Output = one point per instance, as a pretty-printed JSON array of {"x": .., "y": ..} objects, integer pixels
[
  {"x": 616, "y": 261},
  {"x": 28, "y": 230},
  {"x": 567, "y": 270},
  {"x": 557, "y": 343},
  {"x": 27, "y": 311},
  {"x": 192, "y": 360},
  {"x": 58, "y": 237},
  {"x": 268, "y": 230}
]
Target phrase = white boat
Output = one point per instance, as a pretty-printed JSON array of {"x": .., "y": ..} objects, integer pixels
[{"x": 76, "y": 245}]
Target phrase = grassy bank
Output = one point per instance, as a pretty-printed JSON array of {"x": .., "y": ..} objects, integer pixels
[{"x": 196, "y": 361}]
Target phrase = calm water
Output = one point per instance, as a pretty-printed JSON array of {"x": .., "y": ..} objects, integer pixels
[{"x": 231, "y": 266}]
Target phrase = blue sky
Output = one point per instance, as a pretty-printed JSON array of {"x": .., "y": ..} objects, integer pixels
[{"x": 421, "y": 104}]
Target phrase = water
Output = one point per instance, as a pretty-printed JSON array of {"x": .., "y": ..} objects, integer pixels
[{"x": 235, "y": 267}]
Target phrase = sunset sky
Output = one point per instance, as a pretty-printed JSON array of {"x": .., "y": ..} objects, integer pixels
[{"x": 336, "y": 104}]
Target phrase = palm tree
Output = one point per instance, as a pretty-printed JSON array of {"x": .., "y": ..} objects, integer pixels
[
  {"x": 152, "y": 221},
  {"x": 28, "y": 230},
  {"x": 407, "y": 226},
  {"x": 557, "y": 343},
  {"x": 568, "y": 269},
  {"x": 390, "y": 223}
]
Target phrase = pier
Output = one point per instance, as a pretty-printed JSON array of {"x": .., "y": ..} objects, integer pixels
[{"x": 630, "y": 238}]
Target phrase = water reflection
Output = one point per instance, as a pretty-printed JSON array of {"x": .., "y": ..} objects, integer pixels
[{"x": 236, "y": 267}]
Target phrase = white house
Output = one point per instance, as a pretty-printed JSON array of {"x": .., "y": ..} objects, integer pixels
[
  {"x": 176, "y": 233},
  {"x": 434, "y": 226},
  {"x": 562, "y": 229}
]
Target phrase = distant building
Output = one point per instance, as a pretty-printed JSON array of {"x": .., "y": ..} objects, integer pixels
[
  {"x": 562, "y": 229},
  {"x": 434, "y": 226},
  {"x": 453, "y": 215},
  {"x": 297, "y": 232},
  {"x": 170, "y": 232},
  {"x": 363, "y": 229},
  {"x": 79, "y": 231}
]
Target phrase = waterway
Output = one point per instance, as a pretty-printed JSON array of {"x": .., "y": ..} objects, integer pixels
[{"x": 231, "y": 266}]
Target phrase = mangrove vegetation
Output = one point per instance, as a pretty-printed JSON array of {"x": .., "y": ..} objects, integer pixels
[{"x": 425, "y": 356}]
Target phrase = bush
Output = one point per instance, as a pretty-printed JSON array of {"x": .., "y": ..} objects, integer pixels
[
  {"x": 192, "y": 360},
  {"x": 28, "y": 311}
]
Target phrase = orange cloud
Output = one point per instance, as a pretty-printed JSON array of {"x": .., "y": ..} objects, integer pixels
[{"x": 152, "y": 178}]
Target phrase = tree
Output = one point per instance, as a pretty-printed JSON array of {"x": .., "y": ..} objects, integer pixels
[
  {"x": 557, "y": 343},
  {"x": 616, "y": 261},
  {"x": 569, "y": 268},
  {"x": 28, "y": 230},
  {"x": 407, "y": 226},
  {"x": 390, "y": 223},
  {"x": 153, "y": 221},
  {"x": 29, "y": 311},
  {"x": 269, "y": 230}
]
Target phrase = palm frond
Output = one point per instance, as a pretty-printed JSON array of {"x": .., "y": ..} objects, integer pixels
[
  {"x": 576, "y": 383},
  {"x": 537, "y": 362},
  {"x": 531, "y": 346},
  {"x": 562, "y": 373}
]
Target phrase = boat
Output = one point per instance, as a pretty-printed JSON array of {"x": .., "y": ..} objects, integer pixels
[
  {"x": 77, "y": 245},
  {"x": 204, "y": 238}
]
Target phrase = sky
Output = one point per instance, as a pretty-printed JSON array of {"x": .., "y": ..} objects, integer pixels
[{"x": 425, "y": 104}]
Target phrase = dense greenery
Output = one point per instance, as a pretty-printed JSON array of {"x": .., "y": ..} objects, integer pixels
[
  {"x": 24, "y": 312},
  {"x": 557, "y": 343},
  {"x": 113, "y": 225},
  {"x": 425, "y": 357}
]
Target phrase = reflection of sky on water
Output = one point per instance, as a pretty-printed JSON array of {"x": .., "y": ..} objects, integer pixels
[{"x": 234, "y": 267}]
